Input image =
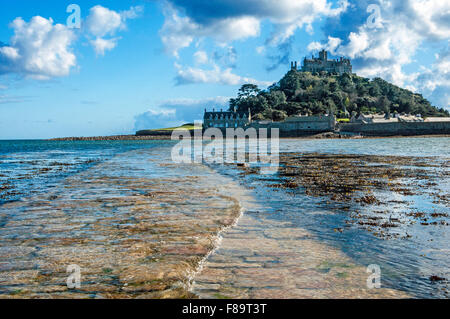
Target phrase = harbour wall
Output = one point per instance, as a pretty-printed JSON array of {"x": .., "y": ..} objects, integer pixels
[
  {"x": 300, "y": 126},
  {"x": 396, "y": 128}
]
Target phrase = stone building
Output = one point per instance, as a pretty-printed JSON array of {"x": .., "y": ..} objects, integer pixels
[
  {"x": 227, "y": 119},
  {"x": 340, "y": 66}
]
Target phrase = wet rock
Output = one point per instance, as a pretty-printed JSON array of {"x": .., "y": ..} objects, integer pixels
[{"x": 435, "y": 278}]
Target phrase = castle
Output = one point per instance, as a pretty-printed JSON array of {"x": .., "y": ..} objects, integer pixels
[{"x": 322, "y": 63}]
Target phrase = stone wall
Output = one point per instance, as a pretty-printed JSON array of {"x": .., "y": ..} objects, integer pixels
[
  {"x": 300, "y": 126},
  {"x": 400, "y": 128}
]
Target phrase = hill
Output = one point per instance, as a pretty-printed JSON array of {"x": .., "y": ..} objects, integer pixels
[{"x": 318, "y": 93}]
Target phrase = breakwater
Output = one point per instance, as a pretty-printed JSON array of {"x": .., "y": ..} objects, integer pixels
[{"x": 400, "y": 128}]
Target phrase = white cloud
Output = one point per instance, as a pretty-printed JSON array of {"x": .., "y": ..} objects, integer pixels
[
  {"x": 432, "y": 18},
  {"x": 406, "y": 26},
  {"x": 175, "y": 112},
  {"x": 103, "y": 23},
  {"x": 132, "y": 13},
  {"x": 332, "y": 45},
  {"x": 10, "y": 53},
  {"x": 288, "y": 16},
  {"x": 179, "y": 32},
  {"x": 232, "y": 20},
  {"x": 38, "y": 49},
  {"x": 358, "y": 42},
  {"x": 216, "y": 75},
  {"x": 435, "y": 81},
  {"x": 101, "y": 45},
  {"x": 42, "y": 50}
]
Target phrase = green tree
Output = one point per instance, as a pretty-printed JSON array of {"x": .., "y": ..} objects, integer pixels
[
  {"x": 290, "y": 83},
  {"x": 303, "y": 92},
  {"x": 248, "y": 90},
  {"x": 278, "y": 115}
]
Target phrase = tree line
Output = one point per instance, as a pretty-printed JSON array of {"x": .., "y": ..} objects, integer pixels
[{"x": 320, "y": 93}]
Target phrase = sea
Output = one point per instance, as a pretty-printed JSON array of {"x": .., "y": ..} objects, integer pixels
[{"x": 32, "y": 169}]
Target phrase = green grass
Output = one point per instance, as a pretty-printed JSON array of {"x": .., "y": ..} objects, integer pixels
[
  {"x": 184, "y": 127},
  {"x": 169, "y": 130}
]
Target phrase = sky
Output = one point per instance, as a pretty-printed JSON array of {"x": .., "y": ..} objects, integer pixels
[{"x": 90, "y": 68}]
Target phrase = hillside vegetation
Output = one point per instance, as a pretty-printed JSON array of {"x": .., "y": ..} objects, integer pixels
[
  {"x": 168, "y": 130},
  {"x": 318, "y": 93}
]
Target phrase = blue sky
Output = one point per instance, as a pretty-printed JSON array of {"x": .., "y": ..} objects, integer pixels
[{"x": 147, "y": 64}]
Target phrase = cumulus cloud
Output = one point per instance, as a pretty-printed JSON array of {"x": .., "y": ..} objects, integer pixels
[
  {"x": 216, "y": 75},
  {"x": 172, "y": 113},
  {"x": 331, "y": 45},
  {"x": 103, "y": 21},
  {"x": 230, "y": 20},
  {"x": 39, "y": 49},
  {"x": 216, "y": 69},
  {"x": 103, "y": 24},
  {"x": 10, "y": 52},
  {"x": 179, "y": 32},
  {"x": 101, "y": 45},
  {"x": 384, "y": 51}
]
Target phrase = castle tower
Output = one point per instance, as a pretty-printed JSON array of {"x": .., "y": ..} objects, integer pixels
[
  {"x": 294, "y": 65},
  {"x": 320, "y": 64},
  {"x": 323, "y": 55}
]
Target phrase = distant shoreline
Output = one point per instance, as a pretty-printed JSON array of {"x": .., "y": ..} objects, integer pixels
[
  {"x": 168, "y": 137},
  {"x": 113, "y": 138}
]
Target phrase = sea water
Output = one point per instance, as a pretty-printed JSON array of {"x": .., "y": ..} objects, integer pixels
[{"x": 35, "y": 168}]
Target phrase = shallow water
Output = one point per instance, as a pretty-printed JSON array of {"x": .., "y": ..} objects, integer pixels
[
  {"x": 410, "y": 254},
  {"x": 137, "y": 225},
  {"x": 283, "y": 238},
  {"x": 406, "y": 146},
  {"x": 30, "y": 167}
]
